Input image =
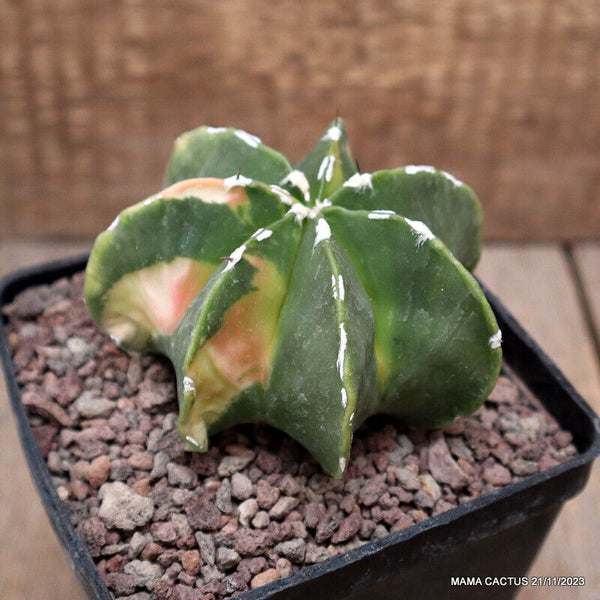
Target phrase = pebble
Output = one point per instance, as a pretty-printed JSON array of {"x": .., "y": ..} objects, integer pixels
[
  {"x": 122, "y": 508},
  {"x": 122, "y": 584},
  {"x": 372, "y": 491},
  {"x": 316, "y": 554},
  {"x": 226, "y": 558},
  {"x": 348, "y": 528},
  {"x": 407, "y": 479},
  {"x": 327, "y": 527},
  {"x": 261, "y": 520},
  {"x": 137, "y": 596},
  {"x": 284, "y": 567},
  {"x": 266, "y": 495},
  {"x": 232, "y": 464},
  {"x": 90, "y": 406},
  {"x": 159, "y": 465},
  {"x": 137, "y": 543},
  {"x": 202, "y": 514},
  {"x": 151, "y": 551},
  {"x": 45, "y": 436},
  {"x": 206, "y": 546},
  {"x": 142, "y": 486},
  {"x": 405, "y": 447},
  {"x": 521, "y": 466},
  {"x": 180, "y": 475},
  {"x": 497, "y": 475},
  {"x": 144, "y": 572},
  {"x": 263, "y": 578},
  {"x": 443, "y": 467},
  {"x": 38, "y": 402},
  {"x": 294, "y": 550},
  {"x": 149, "y": 400},
  {"x": 241, "y": 486},
  {"x": 181, "y": 525},
  {"x": 223, "y": 497},
  {"x": 80, "y": 350},
  {"x": 191, "y": 562},
  {"x": 247, "y": 510},
  {"x": 268, "y": 462},
  {"x": 93, "y": 532},
  {"x": 98, "y": 471},
  {"x": 251, "y": 543},
  {"x": 504, "y": 392},
  {"x": 314, "y": 513},
  {"x": 283, "y": 507},
  {"x": 164, "y": 532},
  {"x": 142, "y": 460}
]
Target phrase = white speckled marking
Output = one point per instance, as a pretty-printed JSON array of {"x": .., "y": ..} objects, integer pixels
[
  {"x": 262, "y": 234},
  {"x": 422, "y": 232},
  {"x": 342, "y": 463},
  {"x": 380, "y": 215},
  {"x": 301, "y": 212},
  {"x": 298, "y": 179},
  {"x": 360, "y": 182},
  {"x": 250, "y": 139},
  {"x": 113, "y": 225},
  {"x": 496, "y": 340},
  {"x": 456, "y": 182},
  {"x": 215, "y": 130},
  {"x": 326, "y": 168},
  {"x": 414, "y": 169},
  {"x": 191, "y": 440},
  {"x": 284, "y": 195},
  {"x": 116, "y": 340},
  {"x": 344, "y": 397},
  {"x": 235, "y": 258},
  {"x": 236, "y": 181},
  {"x": 341, "y": 289},
  {"x": 342, "y": 350},
  {"x": 334, "y": 133},
  {"x": 150, "y": 200},
  {"x": 188, "y": 385},
  {"x": 323, "y": 231},
  {"x": 337, "y": 285}
]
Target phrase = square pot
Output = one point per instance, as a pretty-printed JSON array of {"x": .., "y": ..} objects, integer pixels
[{"x": 495, "y": 535}]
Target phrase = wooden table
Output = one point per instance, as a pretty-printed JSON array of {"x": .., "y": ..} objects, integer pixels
[{"x": 552, "y": 289}]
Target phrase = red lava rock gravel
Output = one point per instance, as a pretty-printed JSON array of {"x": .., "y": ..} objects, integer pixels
[{"x": 163, "y": 524}]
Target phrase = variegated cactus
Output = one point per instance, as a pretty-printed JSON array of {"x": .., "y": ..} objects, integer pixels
[{"x": 308, "y": 298}]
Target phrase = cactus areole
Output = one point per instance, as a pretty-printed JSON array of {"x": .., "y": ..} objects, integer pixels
[{"x": 307, "y": 297}]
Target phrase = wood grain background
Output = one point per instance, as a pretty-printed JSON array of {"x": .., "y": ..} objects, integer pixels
[{"x": 505, "y": 95}]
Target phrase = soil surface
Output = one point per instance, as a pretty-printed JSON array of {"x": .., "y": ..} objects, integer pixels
[{"x": 163, "y": 524}]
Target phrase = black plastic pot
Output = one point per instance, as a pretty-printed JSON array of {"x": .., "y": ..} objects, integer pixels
[{"x": 496, "y": 535}]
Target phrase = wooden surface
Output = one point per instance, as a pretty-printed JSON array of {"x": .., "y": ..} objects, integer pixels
[
  {"x": 503, "y": 94},
  {"x": 553, "y": 292}
]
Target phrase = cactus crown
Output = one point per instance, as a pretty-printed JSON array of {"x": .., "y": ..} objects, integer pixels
[{"x": 306, "y": 297}]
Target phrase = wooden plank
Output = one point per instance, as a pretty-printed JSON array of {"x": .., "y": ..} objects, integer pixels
[
  {"x": 32, "y": 563},
  {"x": 587, "y": 261},
  {"x": 535, "y": 284},
  {"x": 502, "y": 94},
  {"x": 18, "y": 253}
]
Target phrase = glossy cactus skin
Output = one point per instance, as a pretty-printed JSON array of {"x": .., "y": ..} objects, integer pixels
[{"x": 341, "y": 295}]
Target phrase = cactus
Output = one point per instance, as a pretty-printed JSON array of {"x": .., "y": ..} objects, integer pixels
[{"x": 308, "y": 298}]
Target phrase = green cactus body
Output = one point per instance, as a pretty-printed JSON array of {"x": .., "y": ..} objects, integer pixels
[{"x": 309, "y": 301}]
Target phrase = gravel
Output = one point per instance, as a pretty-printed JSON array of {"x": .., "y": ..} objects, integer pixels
[{"x": 165, "y": 524}]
